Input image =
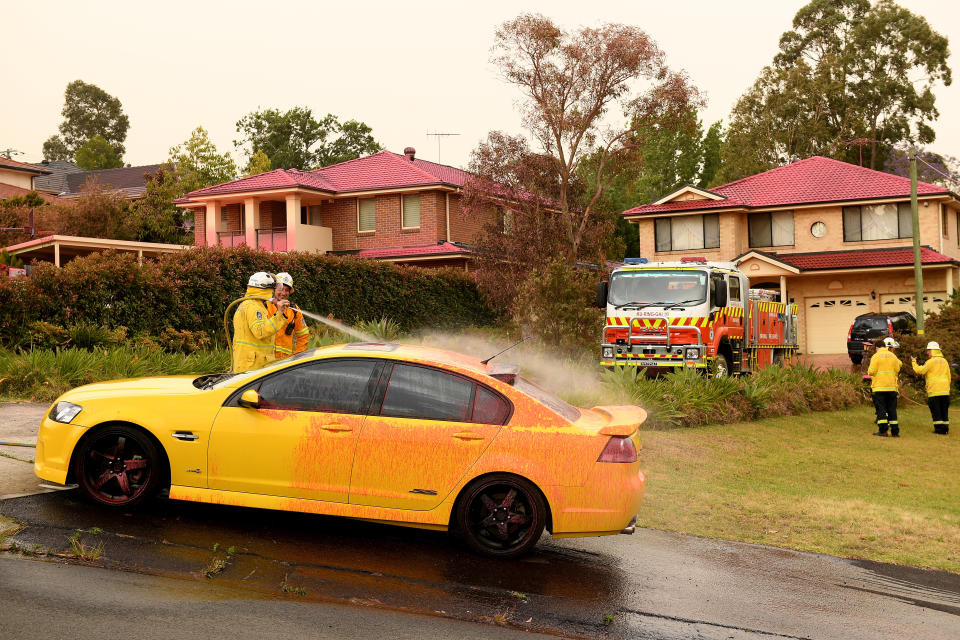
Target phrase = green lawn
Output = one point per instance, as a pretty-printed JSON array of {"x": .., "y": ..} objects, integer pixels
[{"x": 816, "y": 482}]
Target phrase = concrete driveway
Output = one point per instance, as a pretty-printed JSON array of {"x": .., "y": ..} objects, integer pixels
[{"x": 19, "y": 422}]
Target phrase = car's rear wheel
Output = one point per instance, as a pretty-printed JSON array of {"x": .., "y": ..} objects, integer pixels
[
  {"x": 118, "y": 466},
  {"x": 501, "y": 515},
  {"x": 856, "y": 358}
]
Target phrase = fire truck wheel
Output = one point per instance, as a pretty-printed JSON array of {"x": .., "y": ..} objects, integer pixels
[
  {"x": 778, "y": 358},
  {"x": 721, "y": 368}
]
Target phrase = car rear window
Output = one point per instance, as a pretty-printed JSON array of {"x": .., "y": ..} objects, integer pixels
[
  {"x": 544, "y": 397},
  {"x": 874, "y": 322}
]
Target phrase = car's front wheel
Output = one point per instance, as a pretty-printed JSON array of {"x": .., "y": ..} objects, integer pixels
[
  {"x": 118, "y": 466},
  {"x": 501, "y": 516}
]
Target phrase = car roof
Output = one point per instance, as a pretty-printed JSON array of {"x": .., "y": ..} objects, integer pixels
[
  {"x": 429, "y": 355},
  {"x": 891, "y": 314}
]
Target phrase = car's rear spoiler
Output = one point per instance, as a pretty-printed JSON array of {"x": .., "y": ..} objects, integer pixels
[{"x": 622, "y": 421}]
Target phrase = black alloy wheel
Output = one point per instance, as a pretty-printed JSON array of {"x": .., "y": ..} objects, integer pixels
[
  {"x": 502, "y": 516},
  {"x": 118, "y": 467}
]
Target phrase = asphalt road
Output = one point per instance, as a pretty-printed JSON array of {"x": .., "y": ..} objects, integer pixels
[
  {"x": 43, "y": 600},
  {"x": 653, "y": 584}
]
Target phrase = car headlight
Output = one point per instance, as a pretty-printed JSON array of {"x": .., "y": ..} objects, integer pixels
[
  {"x": 65, "y": 412},
  {"x": 693, "y": 352},
  {"x": 608, "y": 352}
]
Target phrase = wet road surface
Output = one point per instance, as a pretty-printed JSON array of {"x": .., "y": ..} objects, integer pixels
[{"x": 650, "y": 585}]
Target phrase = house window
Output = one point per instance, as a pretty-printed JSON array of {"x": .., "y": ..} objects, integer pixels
[
  {"x": 877, "y": 222},
  {"x": 411, "y": 211},
  {"x": 771, "y": 229},
  {"x": 366, "y": 214},
  {"x": 505, "y": 217},
  {"x": 223, "y": 215},
  {"x": 945, "y": 223},
  {"x": 687, "y": 232},
  {"x": 304, "y": 216}
]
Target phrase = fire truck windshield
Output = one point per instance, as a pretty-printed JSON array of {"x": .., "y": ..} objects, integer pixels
[{"x": 657, "y": 287}]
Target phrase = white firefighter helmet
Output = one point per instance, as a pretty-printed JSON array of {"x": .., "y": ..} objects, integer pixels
[
  {"x": 262, "y": 280},
  {"x": 933, "y": 345},
  {"x": 285, "y": 278},
  {"x": 890, "y": 343}
]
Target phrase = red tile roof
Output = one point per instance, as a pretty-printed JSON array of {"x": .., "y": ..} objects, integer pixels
[
  {"x": 859, "y": 258},
  {"x": 815, "y": 179},
  {"x": 7, "y": 163},
  {"x": 384, "y": 170},
  {"x": 441, "y": 248}
]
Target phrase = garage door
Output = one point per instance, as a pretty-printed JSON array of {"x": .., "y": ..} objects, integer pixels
[
  {"x": 829, "y": 319},
  {"x": 890, "y": 302}
]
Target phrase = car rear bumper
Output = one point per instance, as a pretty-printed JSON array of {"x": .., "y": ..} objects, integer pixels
[{"x": 606, "y": 504}]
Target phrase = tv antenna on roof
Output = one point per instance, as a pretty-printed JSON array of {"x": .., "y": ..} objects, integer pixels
[
  {"x": 8, "y": 153},
  {"x": 439, "y": 136}
]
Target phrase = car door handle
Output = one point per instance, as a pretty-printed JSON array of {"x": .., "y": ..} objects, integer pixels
[
  {"x": 468, "y": 435},
  {"x": 336, "y": 427},
  {"x": 186, "y": 436}
]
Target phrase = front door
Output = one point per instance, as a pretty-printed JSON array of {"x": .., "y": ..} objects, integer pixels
[
  {"x": 432, "y": 427},
  {"x": 300, "y": 442}
]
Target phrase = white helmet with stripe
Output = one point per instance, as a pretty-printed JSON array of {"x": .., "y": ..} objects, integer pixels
[
  {"x": 285, "y": 278},
  {"x": 262, "y": 280}
]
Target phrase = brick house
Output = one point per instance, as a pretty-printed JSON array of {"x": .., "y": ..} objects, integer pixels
[
  {"x": 384, "y": 206},
  {"x": 835, "y": 238}
]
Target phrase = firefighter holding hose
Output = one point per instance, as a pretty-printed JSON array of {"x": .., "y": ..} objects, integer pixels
[
  {"x": 256, "y": 323},
  {"x": 294, "y": 335}
]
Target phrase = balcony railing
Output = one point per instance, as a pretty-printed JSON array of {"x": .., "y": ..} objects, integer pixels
[
  {"x": 231, "y": 238},
  {"x": 274, "y": 239}
]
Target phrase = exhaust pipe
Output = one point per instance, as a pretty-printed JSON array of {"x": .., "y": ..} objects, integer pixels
[{"x": 631, "y": 526}]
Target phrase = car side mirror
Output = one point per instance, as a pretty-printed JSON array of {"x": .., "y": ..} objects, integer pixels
[
  {"x": 249, "y": 399},
  {"x": 720, "y": 296},
  {"x": 601, "y": 301}
]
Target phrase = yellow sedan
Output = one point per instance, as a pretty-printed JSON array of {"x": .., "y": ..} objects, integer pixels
[{"x": 408, "y": 435}]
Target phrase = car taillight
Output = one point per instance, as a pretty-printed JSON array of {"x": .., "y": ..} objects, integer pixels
[
  {"x": 850, "y": 332},
  {"x": 889, "y": 327},
  {"x": 619, "y": 449}
]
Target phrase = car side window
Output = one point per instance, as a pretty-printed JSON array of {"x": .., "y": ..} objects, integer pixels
[
  {"x": 331, "y": 386},
  {"x": 489, "y": 407},
  {"x": 734, "y": 289},
  {"x": 421, "y": 392}
]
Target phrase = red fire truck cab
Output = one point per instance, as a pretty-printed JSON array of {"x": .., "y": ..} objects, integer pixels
[{"x": 693, "y": 314}]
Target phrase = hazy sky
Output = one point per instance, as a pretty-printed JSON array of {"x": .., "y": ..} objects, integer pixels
[{"x": 404, "y": 68}]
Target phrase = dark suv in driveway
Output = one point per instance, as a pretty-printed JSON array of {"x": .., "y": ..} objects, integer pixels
[{"x": 870, "y": 326}]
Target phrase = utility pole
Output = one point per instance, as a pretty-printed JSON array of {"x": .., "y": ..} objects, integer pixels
[
  {"x": 440, "y": 135},
  {"x": 917, "y": 263}
]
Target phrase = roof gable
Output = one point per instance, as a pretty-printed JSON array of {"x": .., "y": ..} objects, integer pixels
[
  {"x": 13, "y": 165},
  {"x": 810, "y": 181},
  {"x": 689, "y": 192}
]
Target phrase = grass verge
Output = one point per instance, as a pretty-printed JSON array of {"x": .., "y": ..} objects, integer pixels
[{"x": 822, "y": 483}]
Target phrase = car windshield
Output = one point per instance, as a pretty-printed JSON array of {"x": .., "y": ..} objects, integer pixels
[
  {"x": 548, "y": 399},
  {"x": 658, "y": 287}
]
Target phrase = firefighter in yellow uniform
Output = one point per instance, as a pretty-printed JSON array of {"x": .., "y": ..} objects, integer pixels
[
  {"x": 884, "y": 367},
  {"x": 255, "y": 325},
  {"x": 936, "y": 375},
  {"x": 294, "y": 335}
]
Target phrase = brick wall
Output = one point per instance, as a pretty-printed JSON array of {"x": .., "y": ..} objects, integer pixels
[
  {"x": 341, "y": 216},
  {"x": 273, "y": 213},
  {"x": 199, "y": 228},
  {"x": 734, "y": 235},
  {"x": 467, "y": 226},
  {"x": 234, "y": 217}
]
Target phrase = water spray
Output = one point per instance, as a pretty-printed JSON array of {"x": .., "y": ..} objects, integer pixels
[{"x": 339, "y": 326}]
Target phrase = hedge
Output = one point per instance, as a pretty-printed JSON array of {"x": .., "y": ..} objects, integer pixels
[{"x": 190, "y": 290}]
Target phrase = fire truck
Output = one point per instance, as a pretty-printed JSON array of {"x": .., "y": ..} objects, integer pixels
[{"x": 662, "y": 316}]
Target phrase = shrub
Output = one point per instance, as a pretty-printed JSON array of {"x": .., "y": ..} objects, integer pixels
[
  {"x": 554, "y": 304},
  {"x": 183, "y": 341},
  {"x": 189, "y": 291},
  {"x": 44, "y": 335},
  {"x": 686, "y": 398}
]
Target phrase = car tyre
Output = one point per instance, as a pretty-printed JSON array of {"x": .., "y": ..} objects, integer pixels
[
  {"x": 856, "y": 358},
  {"x": 501, "y": 515},
  {"x": 721, "y": 368},
  {"x": 118, "y": 467}
]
